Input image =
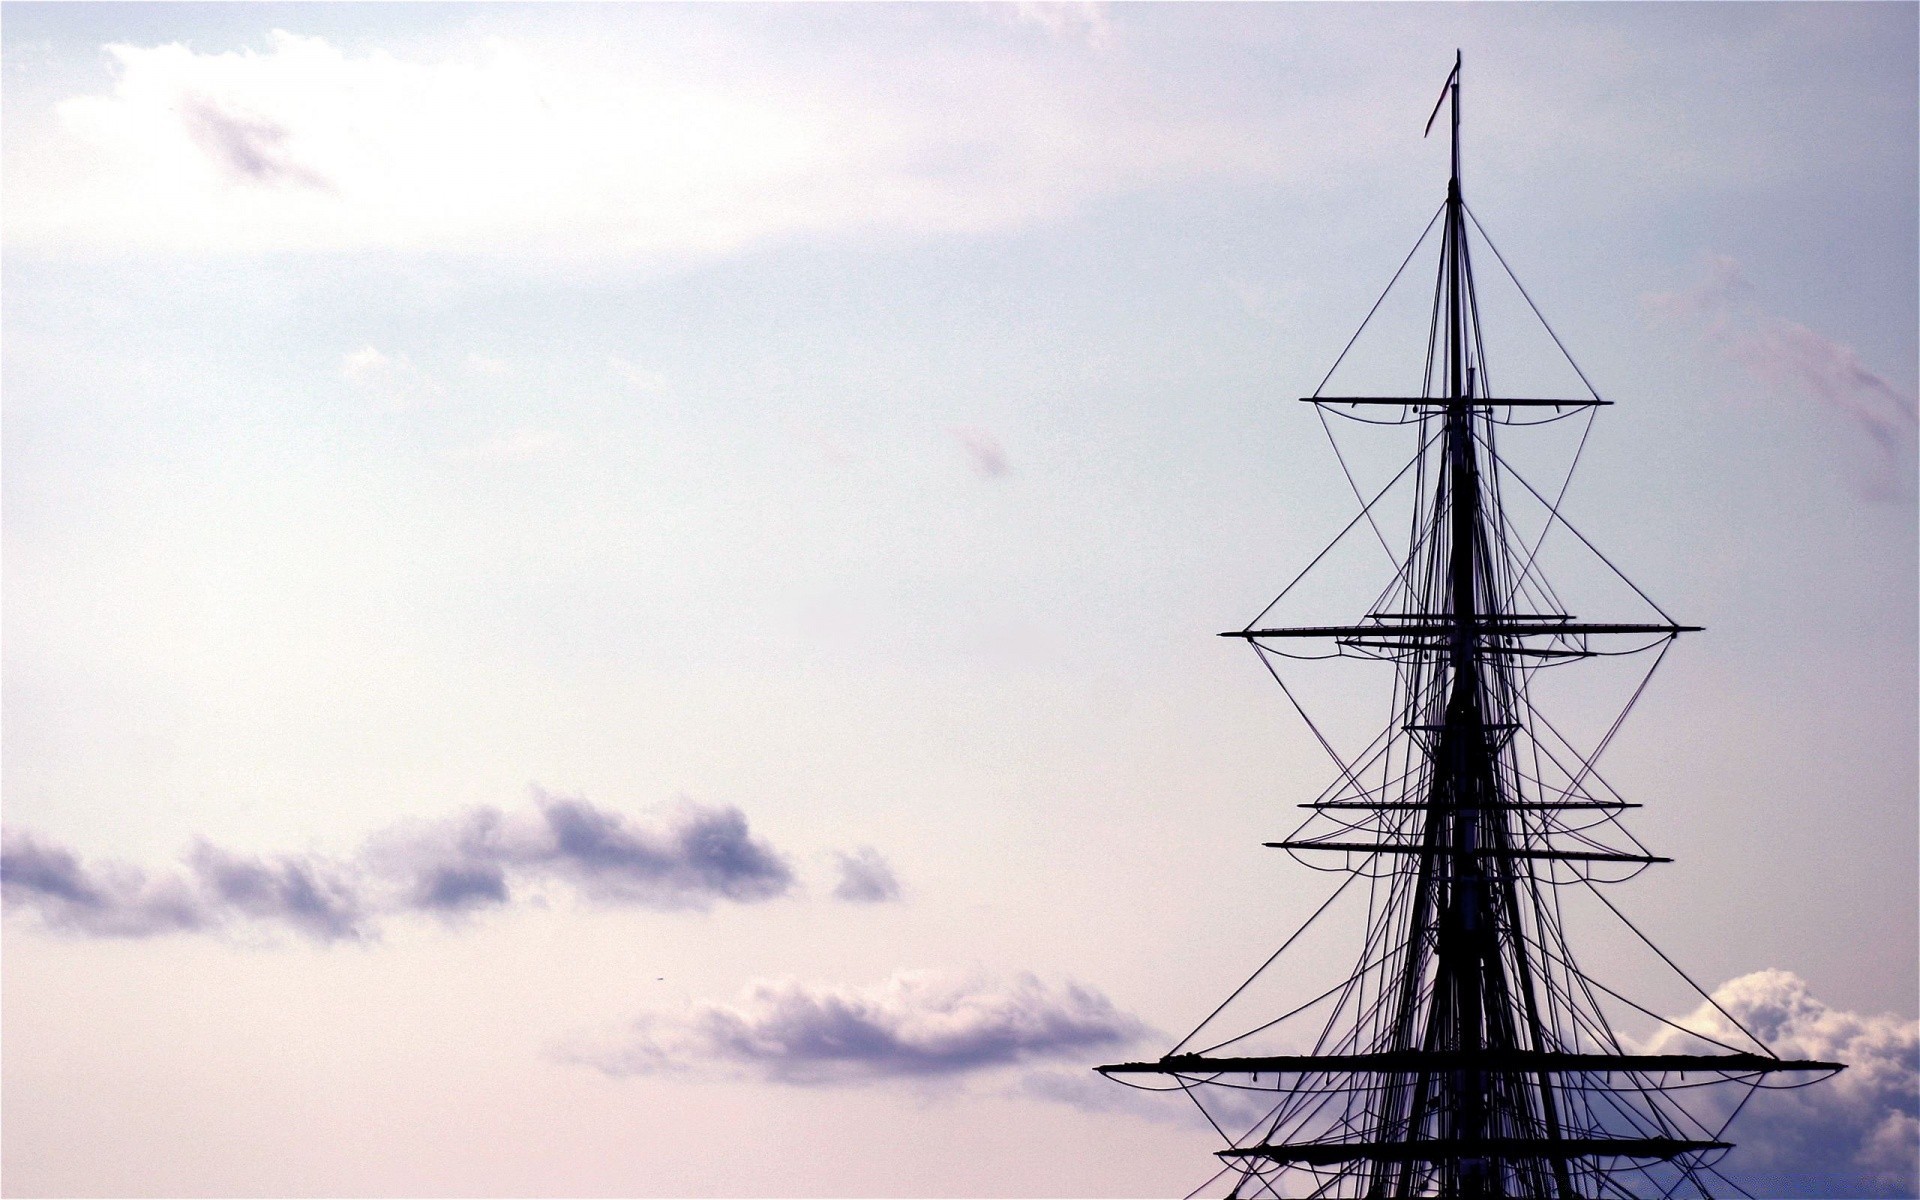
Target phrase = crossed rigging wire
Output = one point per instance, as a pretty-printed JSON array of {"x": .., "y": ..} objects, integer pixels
[{"x": 1540, "y": 772}]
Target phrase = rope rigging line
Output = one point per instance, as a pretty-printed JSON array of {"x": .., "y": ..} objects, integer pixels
[
  {"x": 1344, "y": 530},
  {"x": 1311, "y": 725},
  {"x": 1383, "y": 296},
  {"x": 1568, "y": 964},
  {"x": 1676, "y": 970},
  {"x": 1340, "y": 458},
  {"x": 1555, "y": 515},
  {"x": 1589, "y": 762},
  {"x": 1463, "y": 1050},
  {"x": 1544, "y": 323},
  {"x": 1327, "y": 903}
]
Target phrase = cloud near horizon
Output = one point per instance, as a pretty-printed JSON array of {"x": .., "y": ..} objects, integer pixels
[
  {"x": 448, "y": 867},
  {"x": 1855, "y": 1134},
  {"x": 915, "y": 1025}
]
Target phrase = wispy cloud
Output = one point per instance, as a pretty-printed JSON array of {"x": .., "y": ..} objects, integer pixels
[
  {"x": 1793, "y": 359},
  {"x": 984, "y": 452},
  {"x": 449, "y": 867},
  {"x": 918, "y": 1024},
  {"x": 302, "y": 145},
  {"x": 865, "y": 878},
  {"x": 1856, "y": 1134}
]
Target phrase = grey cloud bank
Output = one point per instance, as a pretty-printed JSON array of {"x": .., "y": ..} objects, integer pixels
[
  {"x": 448, "y": 867},
  {"x": 918, "y": 1024}
]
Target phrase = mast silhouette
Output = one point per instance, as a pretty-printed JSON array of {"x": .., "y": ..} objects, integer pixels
[{"x": 1474, "y": 1059}]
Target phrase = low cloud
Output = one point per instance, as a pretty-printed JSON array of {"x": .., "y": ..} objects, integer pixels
[
  {"x": 916, "y": 1025},
  {"x": 984, "y": 453},
  {"x": 467, "y": 862},
  {"x": 1856, "y": 1134},
  {"x": 109, "y": 899},
  {"x": 705, "y": 855},
  {"x": 1793, "y": 359},
  {"x": 865, "y": 878},
  {"x": 450, "y": 868},
  {"x": 304, "y": 893}
]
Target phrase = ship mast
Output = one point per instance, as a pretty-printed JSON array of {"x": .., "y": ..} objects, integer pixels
[
  {"x": 1483, "y": 1066},
  {"x": 1475, "y": 896}
]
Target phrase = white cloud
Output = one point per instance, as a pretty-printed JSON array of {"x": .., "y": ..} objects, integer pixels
[
  {"x": 915, "y": 1025},
  {"x": 303, "y": 146},
  {"x": 1856, "y": 1134},
  {"x": 364, "y": 365},
  {"x": 391, "y": 377}
]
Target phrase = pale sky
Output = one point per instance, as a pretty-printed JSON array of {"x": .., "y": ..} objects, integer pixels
[{"x": 619, "y": 600}]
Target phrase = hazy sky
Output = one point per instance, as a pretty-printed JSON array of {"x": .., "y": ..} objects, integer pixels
[{"x": 620, "y": 600}]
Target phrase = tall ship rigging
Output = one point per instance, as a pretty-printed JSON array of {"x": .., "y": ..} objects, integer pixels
[{"x": 1466, "y": 1054}]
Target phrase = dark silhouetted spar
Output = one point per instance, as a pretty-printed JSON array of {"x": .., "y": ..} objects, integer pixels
[{"x": 1467, "y": 1055}]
